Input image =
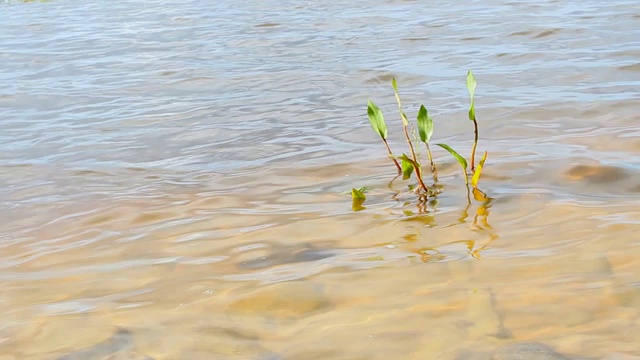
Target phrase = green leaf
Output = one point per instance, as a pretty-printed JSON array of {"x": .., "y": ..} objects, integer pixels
[
  {"x": 403, "y": 116},
  {"x": 357, "y": 194},
  {"x": 363, "y": 189},
  {"x": 404, "y": 158},
  {"x": 376, "y": 119},
  {"x": 471, "y": 86},
  {"x": 405, "y": 120},
  {"x": 472, "y": 112},
  {"x": 425, "y": 124},
  {"x": 358, "y": 198},
  {"x": 407, "y": 169},
  {"x": 460, "y": 159}
]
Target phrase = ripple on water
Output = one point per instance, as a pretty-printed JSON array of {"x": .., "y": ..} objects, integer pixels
[{"x": 178, "y": 173}]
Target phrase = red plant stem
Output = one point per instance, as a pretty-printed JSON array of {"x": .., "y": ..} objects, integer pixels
[
  {"x": 413, "y": 156},
  {"x": 391, "y": 156},
  {"x": 475, "y": 144}
]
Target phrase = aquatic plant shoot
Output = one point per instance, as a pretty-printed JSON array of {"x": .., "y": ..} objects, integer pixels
[
  {"x": 358, "y": 197},
  {"x": 377, "y": 123},
  {"x": 471, "y": 87},
  {"x": 425, "y": 130},
  {"x": 462, "y": 161},
  {"x": 409, "y": 162},
  {"x": 405, "y": 127}
]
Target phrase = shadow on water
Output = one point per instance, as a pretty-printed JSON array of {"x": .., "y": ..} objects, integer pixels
[{"x": 120, "y": 342}]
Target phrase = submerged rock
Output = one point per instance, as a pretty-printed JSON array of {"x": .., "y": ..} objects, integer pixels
[
  {"x": 283, "y": 300},
  {"x": 526, "y": 351},
  {"x": 114, "y": 348},
  {"x": 215, "y": 342},
  {"x": 598, "y": 174},
  {"x": 280, "y": 255}
]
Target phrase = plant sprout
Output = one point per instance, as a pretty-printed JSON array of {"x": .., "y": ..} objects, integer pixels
[
  {"x": 477, "y": 194},
  {"x": 407, "y": 169},
  {"x": 377, "y": 123},
  {"x": 405, "y": 126},
  {"x": 471, "y": 86},
  {"x": 476, "y": 174},
  {"x": 416, "y": 166},
  {"x": 425, "y": 130},
  {"x": 461, "y": 161},
  {"x": 408, "y": 163},
  {"x": 358, "y": 197}
]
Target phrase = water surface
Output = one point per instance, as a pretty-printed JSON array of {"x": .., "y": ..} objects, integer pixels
[{"x": 172, "y": 178}]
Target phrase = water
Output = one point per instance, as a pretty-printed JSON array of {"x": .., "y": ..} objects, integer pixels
[{"x": 172, "y": 178}]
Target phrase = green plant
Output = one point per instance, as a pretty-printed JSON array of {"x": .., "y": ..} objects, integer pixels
[
  {"x": 377, "y": 123},
  {"x": 471, "y": 86},
  {"x": 407, "y": 167},
  {"x": 461, "y": 161},
  {"x": 405, "y": 127},
  {"x": 358, "y": 197},
  {"x": 425, "y": 126},
  {"x": 425, "y": 130}
]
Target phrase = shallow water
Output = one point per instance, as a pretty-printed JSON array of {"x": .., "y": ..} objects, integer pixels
[{"x": 175, "y": 173}]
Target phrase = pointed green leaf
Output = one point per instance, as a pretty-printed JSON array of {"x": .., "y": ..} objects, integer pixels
[
  {"x": 357, "y": 194},
  {"x": 358, "y": 198},
  {"x": 376, "y": 119},
  {"x": 471, "y": 86},
  {"x": 407, "y": 169},
  {"x": 472, "y": 112},
  {"x": 363, "y": 189},
  {"x": 405, "y": 120},
  {"x": 425, "y": 124},
  {"x": 460, "y": 159},
  {"x": 404, "y": 158}
]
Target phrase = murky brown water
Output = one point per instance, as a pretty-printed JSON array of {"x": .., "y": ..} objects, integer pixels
[{"x": 172, "y": 178}]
